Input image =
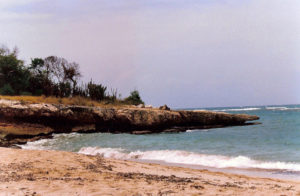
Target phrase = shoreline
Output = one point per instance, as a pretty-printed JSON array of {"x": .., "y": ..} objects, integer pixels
[
  {"x": 40, "y": 172},
  {"x": 275, "y": 174}
]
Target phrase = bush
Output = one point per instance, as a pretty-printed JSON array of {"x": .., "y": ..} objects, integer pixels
[
  {"x": 134, "y": 98},
  {"x": 81, "y": 91},
  {"x": 65, "y": 89},
  {"x": 25, "y": 93},
  {"x": 96, "y": 91},
  {"x": 7, "y": 90}
]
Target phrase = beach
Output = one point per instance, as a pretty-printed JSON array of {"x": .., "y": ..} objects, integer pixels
[
  {"x": 40, "y": 172},
  {"x": 74, "y": 150},
  {"x": 149, "y": 98}
]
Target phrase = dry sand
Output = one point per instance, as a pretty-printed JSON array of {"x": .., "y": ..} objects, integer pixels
[{"x": 28, "y": 172}]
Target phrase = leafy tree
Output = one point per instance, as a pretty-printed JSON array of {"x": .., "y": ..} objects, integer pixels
[
  {"x": 12, "y": 71},
  {"x": 40, "y": 82},
  {"x": 54, "y": 76},
  {"x": 134, "y": 98}
]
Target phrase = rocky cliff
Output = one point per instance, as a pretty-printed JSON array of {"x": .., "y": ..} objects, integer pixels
[{"x": 20, "y": 122}]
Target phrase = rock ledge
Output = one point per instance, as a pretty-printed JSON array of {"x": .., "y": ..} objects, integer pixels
[{"x": 26, "y": 121}]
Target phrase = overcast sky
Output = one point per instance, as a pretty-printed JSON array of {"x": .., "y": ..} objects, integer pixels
[{"x": 185, "y": 53}]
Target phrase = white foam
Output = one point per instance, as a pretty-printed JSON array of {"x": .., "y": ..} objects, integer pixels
[
  {"x": 37, "y": 145},
  {"x": 49, "y": 144},
  {"x": 66, "y": 135},
  {"x": 238, "y": 109},
  {"x": 281, "y": 108},
  {"x": 196, "y": 130},
  {"x": 117, "y": 153},
  {"x": 183, "y": 157}
]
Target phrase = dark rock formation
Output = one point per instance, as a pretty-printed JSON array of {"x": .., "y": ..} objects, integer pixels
[
  {"x": 164, "y": 107},
  {"x": 26, "y": 121}
]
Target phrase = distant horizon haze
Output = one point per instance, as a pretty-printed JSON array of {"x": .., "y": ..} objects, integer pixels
[{"x": 186, "y": 54}]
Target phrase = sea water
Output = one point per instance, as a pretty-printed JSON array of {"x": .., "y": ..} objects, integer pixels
[{"x": 272, "y": 146}]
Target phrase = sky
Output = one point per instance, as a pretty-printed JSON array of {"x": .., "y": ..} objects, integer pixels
[{"x": 183, "y": 53}]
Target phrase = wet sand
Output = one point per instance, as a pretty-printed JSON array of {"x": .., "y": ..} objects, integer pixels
[{"x": 31, "y": 172}]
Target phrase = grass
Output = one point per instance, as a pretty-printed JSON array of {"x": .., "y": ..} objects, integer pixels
[{"x": 81, "y": 101}]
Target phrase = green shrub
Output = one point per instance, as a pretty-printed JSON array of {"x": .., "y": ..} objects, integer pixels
[
  {"x": 96, "y": 91},
  {"x": 134, "y": 98},
  {"x": 25, "y": 93},
  {"x": 65, "y": 89},
  {"x": 12, "y": 73},
  {"x": 7, "y": 90}
]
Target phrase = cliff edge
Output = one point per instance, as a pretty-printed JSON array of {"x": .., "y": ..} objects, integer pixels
[{"x": 20, "y": 122}]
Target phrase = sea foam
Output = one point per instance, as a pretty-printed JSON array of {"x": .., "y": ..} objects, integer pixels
[
  {"x": 237, "y": 109},
  {"x": 184, "y": 157},
  {"x": 49, "y": 144},
  {"x": 282, "y": 108},
  {"x": 196, "y": 130}
]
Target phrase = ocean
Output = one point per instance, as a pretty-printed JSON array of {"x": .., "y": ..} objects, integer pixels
[{"x": 270, "y": 149}]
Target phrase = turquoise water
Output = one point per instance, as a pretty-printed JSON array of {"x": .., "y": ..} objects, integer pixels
[{"x": 274, "y": 144}]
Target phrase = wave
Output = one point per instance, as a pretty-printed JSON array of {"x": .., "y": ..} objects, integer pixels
[
  {"x": 197, "y": 130},
  {"x": 49, "y": 144},
  {"x": 237, "y": 109},
  {"x": 281, "y": 108},
  {"x": 184, "y": 157},
  {"x": 37, "y": 145}
]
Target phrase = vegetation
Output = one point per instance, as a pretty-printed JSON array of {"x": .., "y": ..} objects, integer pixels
[
  {"x": 53, "y": 80},
  {"x": 134, "y": 98},
  {"x": 77, "y": 100}
]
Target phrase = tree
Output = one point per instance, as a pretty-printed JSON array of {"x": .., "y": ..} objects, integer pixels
[
  {"x": 63, "y": 73},
  {"x": 13, "y": 75},
  {"x": 54, "y": 68},
  {"x": 40, "y": 82},
  {"x": 134, "y": 98},
  {"x": 71, "y": 74}
]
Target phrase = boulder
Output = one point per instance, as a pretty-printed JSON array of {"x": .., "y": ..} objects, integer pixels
[
  {"x": 164, "y": 107},
  {"x": 140, "y": 106},
  {"x": 148, "y": 106}
]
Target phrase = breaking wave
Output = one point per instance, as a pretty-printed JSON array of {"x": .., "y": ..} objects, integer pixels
[
  {"x": 281, "y": 108},
  {"x": 184, "y": 157},
  {"x": 196, "y": 130},
  {"x": 237, "y": 109},
  {"x": 50, "y": 144}
]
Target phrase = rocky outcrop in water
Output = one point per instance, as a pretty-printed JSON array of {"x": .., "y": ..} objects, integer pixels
[{"x": 26, "y": 121}]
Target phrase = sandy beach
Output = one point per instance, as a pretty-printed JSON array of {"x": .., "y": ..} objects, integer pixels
[{"x": 31, "y": 172}]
